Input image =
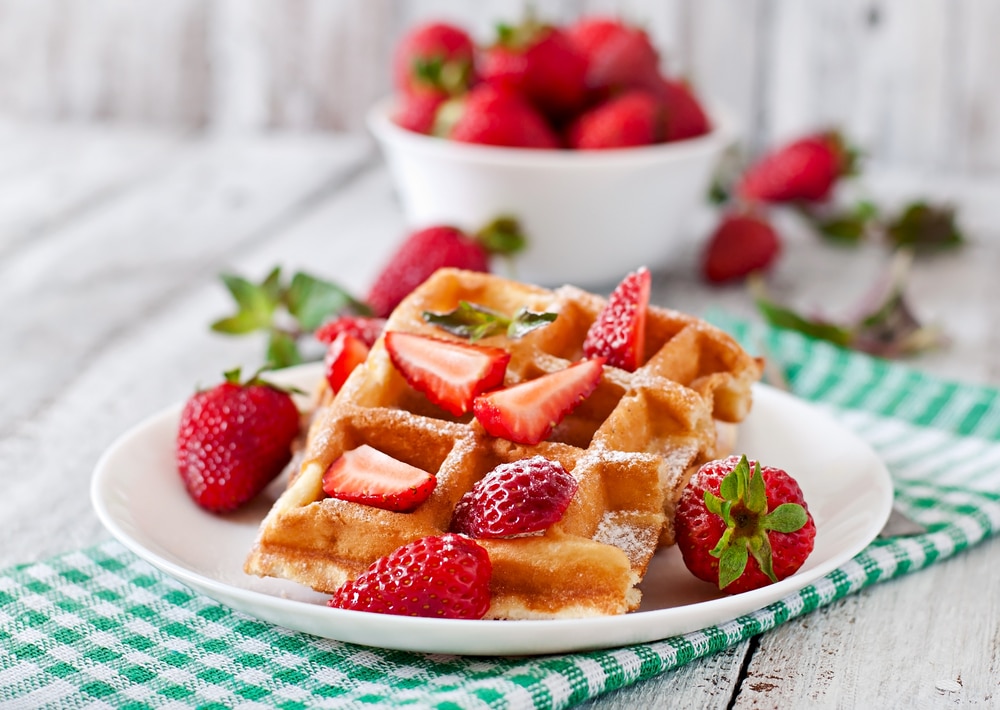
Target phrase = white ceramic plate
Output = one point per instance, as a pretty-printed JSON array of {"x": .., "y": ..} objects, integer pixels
[{"x": 139, "y": 497}]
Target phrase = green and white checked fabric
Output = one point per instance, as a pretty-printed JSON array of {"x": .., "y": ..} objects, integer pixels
[{"x": 100, "y": 628}]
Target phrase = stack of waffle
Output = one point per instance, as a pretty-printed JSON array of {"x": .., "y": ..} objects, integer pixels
[{"x": 631, "y": 446}]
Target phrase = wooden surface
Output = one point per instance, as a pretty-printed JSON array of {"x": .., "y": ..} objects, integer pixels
[
  {"x": 110, "y": 246},
  {"x": 915, "y": 81}
]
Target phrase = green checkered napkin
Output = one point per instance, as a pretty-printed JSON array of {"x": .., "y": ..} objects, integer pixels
[{"x": 100, "y": 628}]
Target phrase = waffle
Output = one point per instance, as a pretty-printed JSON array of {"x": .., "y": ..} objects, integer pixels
[{"x": 631, "y": 446}]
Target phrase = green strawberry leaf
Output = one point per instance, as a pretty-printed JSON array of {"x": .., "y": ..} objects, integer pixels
[
  {"x": 851, "y": 226},
  {"x": 502, "y": 236},
  {"x": 717, "y": 506},
  {"x": 732, "y": 563},
  {"x": 786, "y": 518},
  {"x": 756, "y": 496},
  {"x": 760, "y": 547},
  {"x": 925, "y": 226},
  {"x": 781, "y": 317}
]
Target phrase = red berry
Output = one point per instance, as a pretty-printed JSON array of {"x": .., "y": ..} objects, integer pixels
[
  {"x": 766, "y": 512},
  {"x": 233, "y": 440},
  {"x": 633, "y": 118},
  {"x": 805, "y": 169},
  {"x": 419, "y": 256},
  {"x": 684, "y": 115},
  {"x": 445, "y": 576},
  {"x": 491, "y": 116},
  {"x": 450, "y": 373},
  {"x": 364, "y": 328},
  {"x": 741, "y": 244},
  {"x": 540, "y": 63},
  {"x": 433, "y": 58},
  {"x": 417, "y": 112},
  {"x": 619, "y": 331},
  {"x": 516, "y": 498},
  {"x": 368, "y": 476},
  {"x": 527, "y": 413},
  {"x": 617, "y": 55},
  {"x": 346, "y": 352}
]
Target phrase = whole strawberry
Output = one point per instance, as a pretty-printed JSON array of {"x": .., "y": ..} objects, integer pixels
[
  {"x": 417, "y": 112},
  {"x": 444, "y": 576},
  {"x": 743, "y": 526},
  {"x": 538, "y": 62},
  {"x": 617, "y": 55},
  {"x": 425, "y": 251},
  {"x": 742, "y": 242},
  {"x": 233, "y": 440},
  {"x": 488, "y": 115},
  {"x": 805, "y": 169},
  {"x": 434, "y": 58},
  {"x": 685, "y": 117},
  {"x": 633, "y": 118}
]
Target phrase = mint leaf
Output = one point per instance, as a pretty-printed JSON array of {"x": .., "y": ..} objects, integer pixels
[
  {"x": 311, "y": 301},
  {"x": 255, "y": 307},
  {"x": 525, "y": 321},
  {"x": 475, "y": 322},
  {"x": 282, "y": 350}
]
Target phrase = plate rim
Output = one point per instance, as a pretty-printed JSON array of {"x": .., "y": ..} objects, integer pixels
[{"x": 482, "y": 637}]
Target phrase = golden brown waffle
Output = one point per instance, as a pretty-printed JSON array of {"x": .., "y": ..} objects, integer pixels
[{"x": 631, "y": 446}]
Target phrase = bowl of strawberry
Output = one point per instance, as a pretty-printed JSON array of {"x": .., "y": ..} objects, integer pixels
[{"x": 574, "y": 130}]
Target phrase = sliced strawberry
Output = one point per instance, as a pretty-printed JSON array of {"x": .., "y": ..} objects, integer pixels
[
  {"x": 342, "y": 355},
  {"x": 619, "y": 332},
  {"x": 528, "y": 412},
  {"x": 450, "y": 373},
  {"x": 515, "y": 498},
  {"x": 366, "y": 475},
  {"x": 440, "y": 576}
]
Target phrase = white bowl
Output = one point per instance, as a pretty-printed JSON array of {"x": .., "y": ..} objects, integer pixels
[{"x": 590, "y": 216}]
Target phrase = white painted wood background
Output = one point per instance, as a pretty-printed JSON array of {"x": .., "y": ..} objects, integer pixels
[{"x": 916, "y": 83}]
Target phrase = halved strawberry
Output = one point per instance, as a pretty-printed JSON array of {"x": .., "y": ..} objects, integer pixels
[
  {"x": 619, "y": 332},
  {"x": 450, "y": 373},
  {"x": 528, "y": 412},
  {"x": 366, "y": 328},
  {"x": 369, "y": 476},
  {"x": 517, "y": 498},
  {"x": 346, "y": 352}
]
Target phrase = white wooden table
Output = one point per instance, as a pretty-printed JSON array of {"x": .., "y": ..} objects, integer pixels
[{"x": 110, "y": 246}]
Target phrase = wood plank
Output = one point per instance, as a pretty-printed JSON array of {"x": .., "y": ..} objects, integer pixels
[
  {"x": 704, "y": 684},
  {"x": 215, "y": 198},
  {"x": 977, "y": 96},
  {"x": 55, "y": 175},
  {"x": 83, "y": 60},
  {"x": 939, "y": 653},
  {"x": 155, "y": 347}
]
